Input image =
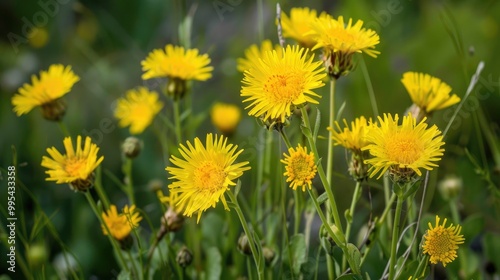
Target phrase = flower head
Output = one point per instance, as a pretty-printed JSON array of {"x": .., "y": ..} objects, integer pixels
[
  {"x": 76, "y": 167},
  {"x": 138, "y": 109},
  {"x": 177, "y": 63},
  {"x": 298, "y": 26},
  {"x": 406, "y": 147},
  {"x": 353, "y": 139},
  {"x": 45, "y": 92},
  {"x": 340, "y": 41},
  {"x": 276, "y": 84},
  {"x": 441, "y": 243},
  {"x": 225, "y": 117},
  {"x": 120, "y": 225},
  {"x": 172, "y": 219},
  {"x": 300, "y": 167},
  {"x": 337, "y": 36},
  {"x": 205, "y": 173},
  {"x": 254, "y": 53},
  {"x": 427, "y": 92}
]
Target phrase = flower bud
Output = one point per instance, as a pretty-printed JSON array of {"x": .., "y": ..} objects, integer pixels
[
  {"x": 172, "y": 221},
  {"x": 269, "y": 255},
  {"x": 184, "y": 257},
  {"x": 450, "y": 187},
  {"x": 244, "y": 245},
  {"x": 37, "y": 255},
  {"x": 131, "y": 147}
]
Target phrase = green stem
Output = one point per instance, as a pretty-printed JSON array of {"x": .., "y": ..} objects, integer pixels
[
  {"x": 321, "y": 172},
  {"x": 177, "y": 121},
  {"x": 64, "y": 129},
  {"x": 99, "y": 189},
  {"x": 129, "y": 186},
  {"x": 354, "y": 201},
  {"x": 421, "y": 267},
  {"x": 395, "y": 237},
  {"x": 111, "y": 239},
  {"x": 259, "y": 262},
  {"x": 329, "y": 161}
]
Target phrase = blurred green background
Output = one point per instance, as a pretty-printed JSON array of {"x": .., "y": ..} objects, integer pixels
[{"x": 105, "y": 41}]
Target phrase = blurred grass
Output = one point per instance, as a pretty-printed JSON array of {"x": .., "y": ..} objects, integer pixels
[{"x": 105, "y": 42}]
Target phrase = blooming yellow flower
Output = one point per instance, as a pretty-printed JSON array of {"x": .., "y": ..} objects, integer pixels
[
  {"x": 298, "y": 26},
  {"x": 120, "y": 225},
  {"x": 427, "y": 92},
  {"x": 225, "y": 117},
  {"x": 406, "y": 147},
  {"x": 172, "y": 200},
  {"x": 52, "y": 85},
  {"x": 300, "y": 167},
  {"x": 254, "y": 53},
  {"x": 441, "y": 243},
  {"x": 205, "y": 173},
  {"x": 276, "y": 84},
  {"x": 337, "y": 36},
  {"x": 76, "y": 167},
  {"x": 353, "y": 139},
  {"x": 138, "y": 109},
  {"x": 177, "y": 62}
]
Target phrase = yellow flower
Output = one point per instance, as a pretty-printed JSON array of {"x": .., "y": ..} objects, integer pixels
[
  {"x": 176, "y": 62},
  {"x": 76, "y": 167},
  {"x": 300, "y": 167},
  {"x": 172, "y": 200},
  {"x": 276, "y": 84},
  {"x": 441, "y": 243},
  {"x": 254, "y": 53},
  {"x": 204, "y": 174},
  {"x": 353, "y": 139},
  {"x": 298, "y": 26},
  {"x": 341, "y": 41},
  {"x": 225, "y": 117},
  {"x": 120, "y": 225},
  {"x": 52, "y": 85},
  {"x": 337, "y": 36},
  {"x": 408, "y": 147},
  {"x": 427, "y": 92},
  {"x": 138, "y": 109},
  {"x": 38, "y": 37}
]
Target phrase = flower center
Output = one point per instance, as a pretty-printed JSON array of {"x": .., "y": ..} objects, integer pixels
[
  {"x": 404, "y": 148},
  {"x": 343, "y": 40},
  {"x": 284, "y": 88},
  {"x": 440, "y": 244},
  {"x": 209, "y": 176},
  {"x": 75, "y": 166},
  {"x": 301, "y": 168}
]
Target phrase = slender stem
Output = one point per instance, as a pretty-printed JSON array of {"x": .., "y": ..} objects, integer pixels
[
  {"x": 421, "y": 267},
  {"x": 177, "y": 121},
  {"x": 354, "y": 201},
  {"x": 285, "y": 138},
  {"x": 129, "y": 186},
  {"x": 64, "y": 129},
  {"x": 134, "y": 268},
  {"x": 395, "y": 237},
  {"x": 260, "y": 19},
  {"x": 111, "y": 239},
  {"x": 321, "y": 172},
  {"x": 99, "y": 189},
  {"x": 329, "y": 161},
  {"x": 256, "y": 257}
]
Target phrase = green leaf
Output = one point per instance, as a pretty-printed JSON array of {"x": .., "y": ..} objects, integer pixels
[
  {"x": 124, "y": 275},
  {"x": 297, "y": 247},
  {"x": 354, "y": 258},
  {"x": 472, "y": 226},
  {"x": 322, "y": 198},
  {"x": 306, "y": 131},
  {"x": 214, "y": 264}
]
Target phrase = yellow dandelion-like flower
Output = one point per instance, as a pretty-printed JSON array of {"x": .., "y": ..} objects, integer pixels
[
  {"x": 225, "y": 117},
  {"x": 177, "y": 62},
  {"x": 76, "y": 167},
  {"x": 427, "y": 92},
  {"x": 337, "y": 36},
  {"x": 406, "y": 147},
  {"x": 172, "y": 200},
  {"x": 300, "y": 167},
  {"x": 120, "y": 224},
  {"x": 138, "y": 109},
  {"x": 353, "y": 139},
  {"x": 52, "y": 85},
  {"x": 254, "y": 53},
  {"x": 298, "y": 26},
  {"x": 441, "y": 243},
  {"x": 276, "y": 84},
  {"x": 205, "y": 173}
]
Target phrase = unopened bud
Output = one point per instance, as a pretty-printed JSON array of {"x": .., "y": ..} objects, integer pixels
[
  {"x": 450, "y": 187},
  {"x": 37, "y": 255},
  {"x": 244, "y": 245},
  {"x": 172, "y": 221},
  {"x": 184, "y": 257},
  {"x": 269, "y": 255},
  {"x": 131, "y": 147}
]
